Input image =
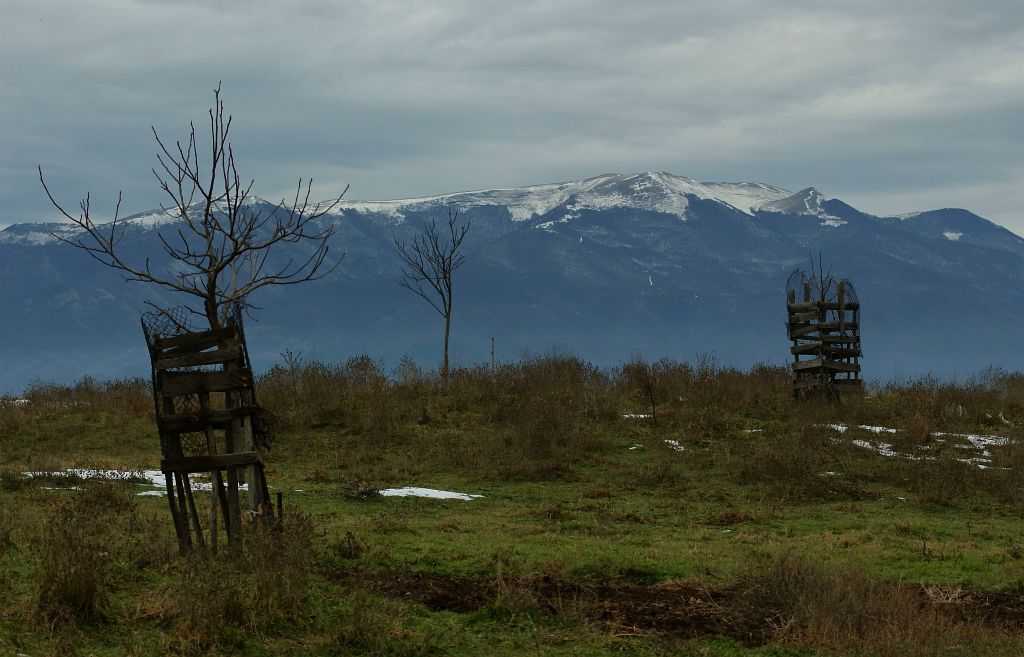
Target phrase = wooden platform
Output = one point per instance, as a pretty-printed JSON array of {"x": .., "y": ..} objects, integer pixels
[
  {"x": 825, "y": 336},
  {"x": 206, "y": 407}
]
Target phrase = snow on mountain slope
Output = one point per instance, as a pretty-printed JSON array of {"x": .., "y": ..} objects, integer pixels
[
  {"x": 34, "y": 234},
  {"x": 654, "y": 191},
  {"x": 806, "y": 202}
]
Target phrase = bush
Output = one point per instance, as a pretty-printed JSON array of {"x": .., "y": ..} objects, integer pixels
[
  {"x": 846, "y": 611},
  {"x": 92, "y": 542},
  {"x": 215, "y": 601}
]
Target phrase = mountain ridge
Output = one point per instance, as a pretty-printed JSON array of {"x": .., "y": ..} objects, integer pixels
[{"x": 609, "y": 268}]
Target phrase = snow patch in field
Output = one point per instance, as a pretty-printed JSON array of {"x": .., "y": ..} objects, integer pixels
[
  {"x": 952, "y": 235},
  {"x": 414, "y": 491},
  {"x": 674, "y": 445},
  {"x": 842, "y": 428},
  {"x": 883, "y": 449},
  {"x": 979, "y": 442},
  {"x": 636, "y": 416},
  {"x": 153, "y": 478},
  {"x": 14, "y": 402}
]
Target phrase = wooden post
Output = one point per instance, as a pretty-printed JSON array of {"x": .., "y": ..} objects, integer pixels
[
  {"x": 252, "y": 471},
  {"x": 234, "y": 511},
  {"x": 183, "y": 547},
  {"x": 842, "y": 308},
  {"x": 186, "y": 532},
  {"x": 197, "y": 523}
]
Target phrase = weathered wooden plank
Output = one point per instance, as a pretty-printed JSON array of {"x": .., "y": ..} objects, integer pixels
[
  {"x": 840, "y": 366},
  {"x": 803, "y": 317},
  {"x": 217, "y": 419},
  {"x": 191, "y": 383},
  {"x": 209, "y": 462},
  {"x": 799, "y": 331},
  {"x": 840, "y": 339},
  {"x": 826, "y": 364},
  {"x": 198, "y": 341},
  {"x": 180, "y": 359},
  {"x": 806, "y": 306},
  {"x": 841, "y": 352},
  {"x": 806, "y": 348}
]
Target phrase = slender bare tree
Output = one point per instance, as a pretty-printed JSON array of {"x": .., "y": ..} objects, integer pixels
[
  {"x": 220, "y": 250},
  {"x": 427, "y": 266}
]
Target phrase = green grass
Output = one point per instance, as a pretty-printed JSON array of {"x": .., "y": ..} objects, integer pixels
[{"x": 580, "y": 545}]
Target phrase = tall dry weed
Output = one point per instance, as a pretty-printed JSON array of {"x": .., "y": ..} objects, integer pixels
[
  {"x": 845, "y": 611},
  {"x": 92, "y": 543}
]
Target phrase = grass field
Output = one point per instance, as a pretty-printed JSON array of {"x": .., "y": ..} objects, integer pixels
[{"x": 657, "y": 509}]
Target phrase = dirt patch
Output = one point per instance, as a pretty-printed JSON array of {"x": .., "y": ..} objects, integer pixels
[{"x": 677, "y": 609}]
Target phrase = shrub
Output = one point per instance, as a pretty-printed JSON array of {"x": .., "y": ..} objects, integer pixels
[
  {"x": 93, "y": 541},
  {"x": 846, "y": 611}
]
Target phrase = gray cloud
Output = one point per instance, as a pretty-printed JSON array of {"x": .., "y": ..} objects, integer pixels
[{"x": 891, "y": 108}]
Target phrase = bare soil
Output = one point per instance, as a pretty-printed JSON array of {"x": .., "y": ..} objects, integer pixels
[{"x": 674, "y": 609}]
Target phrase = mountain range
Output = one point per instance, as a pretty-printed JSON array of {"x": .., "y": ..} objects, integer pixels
[{"x": 610, "y": 268}]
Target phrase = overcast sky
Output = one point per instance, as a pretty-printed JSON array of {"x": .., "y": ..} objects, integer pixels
[{"x": 892, "y": 107}]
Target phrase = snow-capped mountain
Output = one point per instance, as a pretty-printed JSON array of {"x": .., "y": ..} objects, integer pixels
[
  {"x": 652, "y": 191},
  {"x": 607, "y": 268}
]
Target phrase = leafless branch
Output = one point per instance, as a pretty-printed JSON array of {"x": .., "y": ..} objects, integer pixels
[
  {"x": 427, "y": 265},
  {"x": 221, "y": 250}
]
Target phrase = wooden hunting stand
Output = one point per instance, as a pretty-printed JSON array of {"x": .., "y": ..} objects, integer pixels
[
  {"x": 209, "y": 422},
  {"x": 824, "y": 327}
]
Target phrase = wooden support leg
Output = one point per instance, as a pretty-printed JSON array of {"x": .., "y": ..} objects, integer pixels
[
  {"x": 234, "y": 511},
  {"x": 183, "y": 507},
  {"x": 197, "y": 523},
  {"x": 183, "y": 544},
  {"x": 215, "y": 487},
  {"x": 225, "y": 509}
]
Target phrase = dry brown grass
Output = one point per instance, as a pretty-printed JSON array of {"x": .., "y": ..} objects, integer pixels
[
  {"x": 210, "y": 602},
  {"x": 93, "y": 542},
  {"x": 846, "y": 612}
]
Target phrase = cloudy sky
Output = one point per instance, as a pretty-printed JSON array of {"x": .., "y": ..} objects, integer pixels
[{"x": 892, "y": 107}]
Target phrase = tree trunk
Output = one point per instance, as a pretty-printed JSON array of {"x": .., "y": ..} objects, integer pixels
[{"x": 444, "y": 362}]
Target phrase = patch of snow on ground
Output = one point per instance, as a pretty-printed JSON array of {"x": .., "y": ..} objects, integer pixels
[
  {"x": 636, "y": 416},
  {"x": 978, "y": 442},
  {"x": 154, "y": 478},
  {"x": 842, "y": 428},
  {"x": 872, "y": 429},
  {"x": 883, "y": 449},
  {"x": 952, "y": 236},
  {"x": 674, "y": 445},
  {"x": 413, "y": 491}
]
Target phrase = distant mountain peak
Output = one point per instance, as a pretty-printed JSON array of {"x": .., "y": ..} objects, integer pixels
[
  {"x": 656, "y": 191},
  {"x": 808, "y": 202}
]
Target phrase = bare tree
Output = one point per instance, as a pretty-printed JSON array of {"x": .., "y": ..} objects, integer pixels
[
  {"x": 220, "y": 250},
  {"x": 427, "y": 266}
]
